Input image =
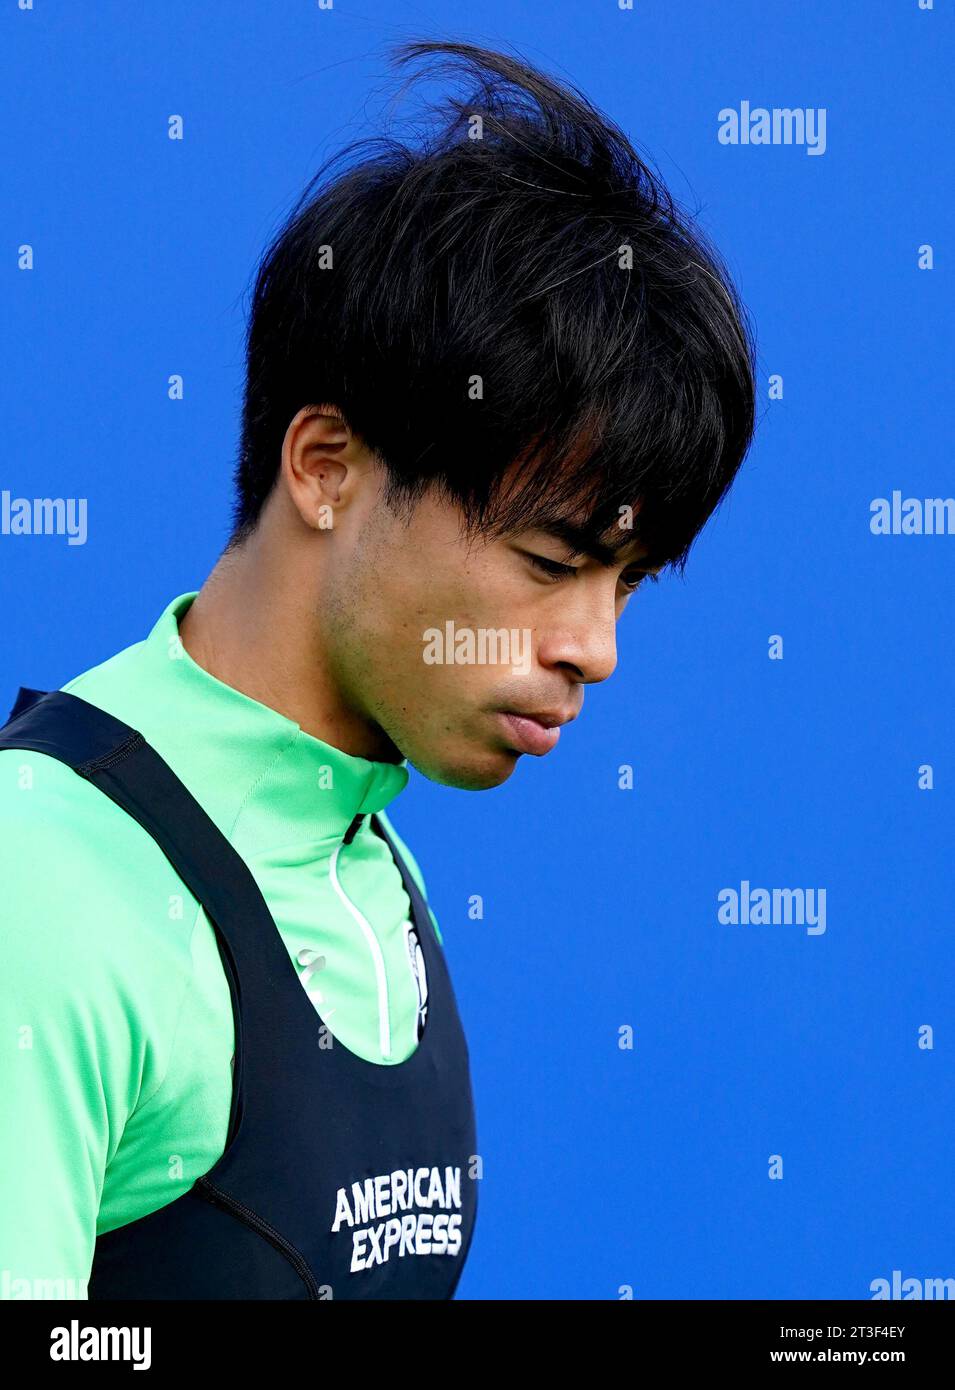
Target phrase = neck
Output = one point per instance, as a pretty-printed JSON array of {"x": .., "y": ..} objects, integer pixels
[{"x": 254, "y": 626}]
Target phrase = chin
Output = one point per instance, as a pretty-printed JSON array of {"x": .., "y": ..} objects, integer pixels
[{"x": 487, "y": 768}]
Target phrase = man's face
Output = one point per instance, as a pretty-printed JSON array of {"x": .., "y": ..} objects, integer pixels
[{"x": 461, "y": 649}]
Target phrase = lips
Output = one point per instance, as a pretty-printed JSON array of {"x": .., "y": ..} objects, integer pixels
[{"x": 533, "y": 733}]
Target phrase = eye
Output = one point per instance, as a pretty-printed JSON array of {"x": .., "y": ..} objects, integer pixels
[
  {"x": 633, "y": 581},
  {"x": 553, "y": 568}
]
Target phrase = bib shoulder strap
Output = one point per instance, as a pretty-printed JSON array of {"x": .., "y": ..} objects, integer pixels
[{"x": 66, "y": 727}]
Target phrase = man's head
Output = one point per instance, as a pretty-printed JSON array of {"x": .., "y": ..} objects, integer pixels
[{"x": 493, "y": 381}]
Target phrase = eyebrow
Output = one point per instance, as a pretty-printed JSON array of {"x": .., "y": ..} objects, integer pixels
[{"x": 582, "y": 542}]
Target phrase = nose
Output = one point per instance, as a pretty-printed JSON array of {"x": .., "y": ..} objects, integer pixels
[{"x": 584, "y": 645}]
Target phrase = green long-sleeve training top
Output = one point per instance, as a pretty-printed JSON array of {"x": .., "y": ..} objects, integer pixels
[{"x": 116, "y": 1026}]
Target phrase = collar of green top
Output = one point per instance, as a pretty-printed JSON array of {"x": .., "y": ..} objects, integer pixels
[{"x": 275, "y": 783}]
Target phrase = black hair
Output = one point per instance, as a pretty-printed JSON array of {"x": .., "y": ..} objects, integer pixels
[{"x": 516, "y": 288}]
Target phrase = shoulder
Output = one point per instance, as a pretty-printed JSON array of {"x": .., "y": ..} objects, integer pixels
[
  {"x": 93, "y": 913},
  {"x": 61, "y": 835}
]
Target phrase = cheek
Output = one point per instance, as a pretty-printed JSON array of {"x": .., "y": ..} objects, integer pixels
[
  {"x": 421, "y": 584},
  {"x": 429, "y": 593},
  {"x": 480, "y": 591}
]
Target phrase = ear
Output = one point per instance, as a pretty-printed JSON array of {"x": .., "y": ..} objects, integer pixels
[{"x": 320, "y": 460}]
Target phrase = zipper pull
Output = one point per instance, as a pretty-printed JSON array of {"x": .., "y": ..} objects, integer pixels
[{"x": 352, "y": 830}]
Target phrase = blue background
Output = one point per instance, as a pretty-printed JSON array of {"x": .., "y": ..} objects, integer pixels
[{"x": 604, "y": 1168}]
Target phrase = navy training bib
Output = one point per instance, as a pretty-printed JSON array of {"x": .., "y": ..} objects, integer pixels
[{"x": 340, "y": 1178}]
